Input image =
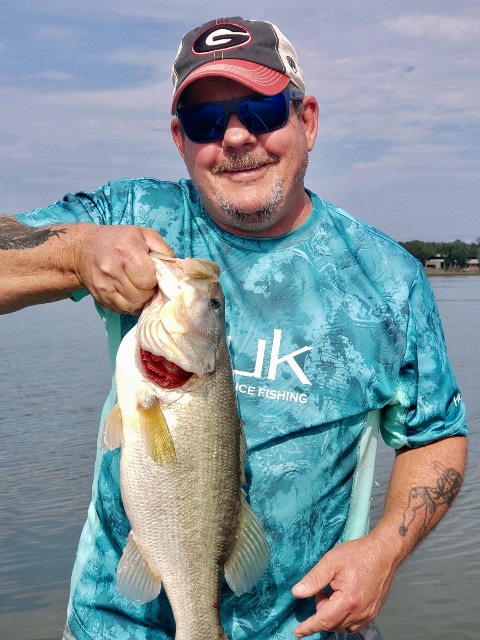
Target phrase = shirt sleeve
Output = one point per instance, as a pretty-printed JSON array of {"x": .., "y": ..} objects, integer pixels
[
  {"x": 427, "y": 405},
  {"x": 96, "y": 207}
]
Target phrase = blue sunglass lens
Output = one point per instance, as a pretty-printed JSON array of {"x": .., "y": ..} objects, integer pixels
[
  {"x": 267, "y": 114},
  {"x": 203, "y": 122},
  {"x": 207, "y": 122}
]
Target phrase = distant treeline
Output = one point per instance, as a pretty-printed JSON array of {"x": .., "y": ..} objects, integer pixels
[{"x": 456, "y": 253}]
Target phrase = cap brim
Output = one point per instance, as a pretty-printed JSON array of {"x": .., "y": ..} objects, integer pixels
[{"x": 255, "y": 76}]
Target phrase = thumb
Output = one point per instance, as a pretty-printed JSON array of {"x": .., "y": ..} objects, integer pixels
[
  {"x": 313, "y": 582},
  {"x": 155, "y": 242}
]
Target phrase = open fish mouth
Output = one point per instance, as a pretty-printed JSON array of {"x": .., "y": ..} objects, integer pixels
[{"x": 163, "y": 372}]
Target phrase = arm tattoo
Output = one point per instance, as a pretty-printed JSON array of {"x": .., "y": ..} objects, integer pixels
[
  {"x": 14, "y": 235},
  {"x": 424, "y": 501}
]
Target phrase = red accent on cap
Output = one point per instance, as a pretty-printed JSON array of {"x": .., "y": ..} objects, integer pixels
[{"x": 255, "y": 76}]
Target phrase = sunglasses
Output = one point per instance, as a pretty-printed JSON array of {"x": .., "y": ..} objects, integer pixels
[{"x": 207, "y": 121}]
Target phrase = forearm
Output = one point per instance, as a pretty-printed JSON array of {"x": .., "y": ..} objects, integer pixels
[
  {"x": 47, "y": 264},
  {"x": 423, "y": 485},
  {"x": 37, "y": 264}
]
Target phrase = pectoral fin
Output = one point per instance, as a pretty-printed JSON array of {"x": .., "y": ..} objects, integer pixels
[
  {"x": 135, "y": 580},
  {"x": 156, "y": 435},
  {"x": 112, "y": 436},
  {"x": 250, "y": 554}
]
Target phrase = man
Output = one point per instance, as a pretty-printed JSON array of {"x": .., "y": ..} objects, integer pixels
[{"x": 334, "y": 337}]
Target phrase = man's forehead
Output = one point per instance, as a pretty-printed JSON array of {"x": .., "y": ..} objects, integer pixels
[{"x": 213, "y": 88}]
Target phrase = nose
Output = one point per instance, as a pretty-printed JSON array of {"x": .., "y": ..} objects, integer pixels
[{"x": 237, "y": 135}]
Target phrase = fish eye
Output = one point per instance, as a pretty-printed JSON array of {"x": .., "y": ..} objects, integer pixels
[{"x": 214, "y": 303}]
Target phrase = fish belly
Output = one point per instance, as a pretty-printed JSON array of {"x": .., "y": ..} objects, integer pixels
[{"x": 184, "y": 515}]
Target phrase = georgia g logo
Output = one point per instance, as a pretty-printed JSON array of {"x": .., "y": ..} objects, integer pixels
[{"x": 220, "y": 37}]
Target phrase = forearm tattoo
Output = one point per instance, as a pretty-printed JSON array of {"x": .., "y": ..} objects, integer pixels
[
  {"x": 14, "y": 235},
  {"x": 424, "y": 501}
]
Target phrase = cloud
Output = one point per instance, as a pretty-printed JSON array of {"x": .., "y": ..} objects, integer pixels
[
  {"x": 51, "y": 74},
  {"x": 65, "y": 36},
  {"x": 449, "y": 29}
]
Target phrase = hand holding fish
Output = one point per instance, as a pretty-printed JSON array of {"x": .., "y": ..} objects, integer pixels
[
  {"x": 113, "y": 263},
  {"x": 359, "y": 578}
]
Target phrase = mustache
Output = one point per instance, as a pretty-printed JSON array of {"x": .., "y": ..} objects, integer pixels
[{"x": 245, "y": 162}]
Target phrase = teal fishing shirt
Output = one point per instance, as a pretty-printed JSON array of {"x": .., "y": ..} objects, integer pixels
[{"x": 335, "y": 337}]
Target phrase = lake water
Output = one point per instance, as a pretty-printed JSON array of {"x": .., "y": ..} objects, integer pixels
[{"x": 53, "y": 381}]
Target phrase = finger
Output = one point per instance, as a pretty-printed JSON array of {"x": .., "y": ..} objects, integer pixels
[
  {"x": 120, "y": 295},
  {"x": 133, "y": 304},
  {"x": 155, "y": 242},
  {"x": 117, "y": 303},
  {"x": 341, "y": 610},
  {"x": 139, "y": 270},
  {"x": 314, "y": 624},
  {"x": 138, "y": 265},
  {"x": 313, "y": 582},
  {"x": 331, "y": 615}
]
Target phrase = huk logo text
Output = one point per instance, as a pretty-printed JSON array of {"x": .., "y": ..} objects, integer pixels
[{"x": 276, "y": 359}]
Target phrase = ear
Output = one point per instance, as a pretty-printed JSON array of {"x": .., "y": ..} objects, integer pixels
[
  {"x": 178, "y": 136},
  {"x": 310, "y": 120}
]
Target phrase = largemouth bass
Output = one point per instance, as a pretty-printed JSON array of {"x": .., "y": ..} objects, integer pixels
[{"x": 183, "y": 454}]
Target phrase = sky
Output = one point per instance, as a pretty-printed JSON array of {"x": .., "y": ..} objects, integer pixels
[{"x": 85, "y": 95}]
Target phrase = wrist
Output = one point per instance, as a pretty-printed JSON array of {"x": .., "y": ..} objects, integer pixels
[
  {"x": 386, "y": 535},
  {"x": 79, "y": 241}
]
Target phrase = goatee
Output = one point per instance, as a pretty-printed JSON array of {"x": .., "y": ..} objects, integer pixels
[{"x": 241, "y": 217}]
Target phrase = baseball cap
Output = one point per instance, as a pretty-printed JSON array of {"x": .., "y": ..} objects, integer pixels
[{"x": 253, "y": 52}]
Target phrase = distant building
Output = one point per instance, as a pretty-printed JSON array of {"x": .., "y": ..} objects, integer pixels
[
  {"x": 438, "y": 262},
  {"x": 472, "y": 264}
]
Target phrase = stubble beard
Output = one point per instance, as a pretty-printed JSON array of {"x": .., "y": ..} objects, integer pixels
[{"x": 243, "y": 217}]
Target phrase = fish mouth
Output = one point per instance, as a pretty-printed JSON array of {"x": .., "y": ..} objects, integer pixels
[{"x": 163, "y": 372}]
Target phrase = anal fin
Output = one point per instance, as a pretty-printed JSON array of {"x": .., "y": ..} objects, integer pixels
[
  {"x": 135, "y": 580},
  {"x": 250, "y": 555},
  {"x": 156, "y": 435}
]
